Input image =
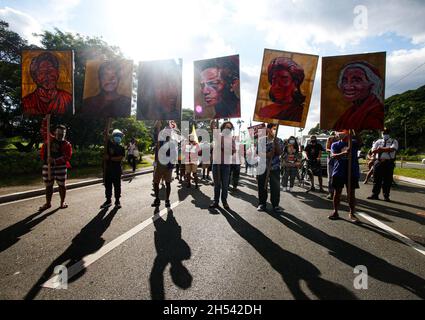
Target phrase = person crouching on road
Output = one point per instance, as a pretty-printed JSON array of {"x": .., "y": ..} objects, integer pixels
[{"x": 113, "y": 169}]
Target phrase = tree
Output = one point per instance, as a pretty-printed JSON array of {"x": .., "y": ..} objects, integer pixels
[
  {"x": 134, "y": 129},
  {"x": 317, "y": 131}
]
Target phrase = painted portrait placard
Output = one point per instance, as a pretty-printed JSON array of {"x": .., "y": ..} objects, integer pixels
[
  {"x": 47, "y": 82},
  {"x": 217, "y": 88},
  {"x": 108, "y": 88},
  {"x": 285, "y": 87},
  {"x": 353, "y": 92},
  {"x": 159, "y": 94}
]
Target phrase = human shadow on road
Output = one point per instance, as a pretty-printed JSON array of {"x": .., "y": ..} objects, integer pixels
[
  {"x": 88, "y": 241},
  {"x": 170, "y": 248},
  {"x": 353, "y": 256},
  {"x": 377, "y": 209},
  {"x": 12, "y": 234},
  {"x": 292, "y": 268}
]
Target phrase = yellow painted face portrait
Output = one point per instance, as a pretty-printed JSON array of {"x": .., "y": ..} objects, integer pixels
[
  {"x": 108, "y": 88},
  {"x": 353, "y": 92},
  {"x": 285, "y": 87},
  {"x": 47, "y": 82},
  {"x": 217, "y": 88},
  {"x": 159, "y": 90}
]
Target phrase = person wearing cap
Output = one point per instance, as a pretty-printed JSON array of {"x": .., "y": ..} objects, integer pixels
[
  {"x": 340, "y": 151},
  {"x": 271, "y": 157},
  {"x": 384, "y": 151},
  {"x": 285, "y": 77},
  {"x": 361, "y": 84},
  {"x": 113, "y": 169},
  {"x": 330, "y": 163},
  {"x": 313, "y": 152}
]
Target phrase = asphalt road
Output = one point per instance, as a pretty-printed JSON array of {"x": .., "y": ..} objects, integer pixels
[{"x": 197, "y": 253}]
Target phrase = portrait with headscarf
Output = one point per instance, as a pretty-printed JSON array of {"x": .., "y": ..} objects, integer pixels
[
  {"x": 353, "y": 92},
  {"x": 286, "y": 85}
]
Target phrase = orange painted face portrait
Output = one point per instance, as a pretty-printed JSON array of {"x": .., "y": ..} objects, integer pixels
[{"x": 47, "y": 82}]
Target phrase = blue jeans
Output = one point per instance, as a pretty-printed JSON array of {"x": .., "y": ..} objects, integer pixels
[{"x": 222, "y": 184}]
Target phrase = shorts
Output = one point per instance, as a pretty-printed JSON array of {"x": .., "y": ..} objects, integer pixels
[
  {"x": 191, "y": 168},
  {"x": 162, "y": 173},
  {"x": 205, "y": 165},
  {"x": 58, "y": 173},
  {"x": 316, "y": 168},
  {"x": 339, "y": 183}
]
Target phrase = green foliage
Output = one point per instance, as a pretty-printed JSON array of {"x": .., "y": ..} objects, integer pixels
[
  {"x": 317, "y": 131},
  {"x": 405, "y": 114},
  {"x": 134, "y": 129}
]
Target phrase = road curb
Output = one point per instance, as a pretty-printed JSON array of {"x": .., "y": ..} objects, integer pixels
[
  {"x": 38, "y": 192},
  {"x": 419, "y": 182}
]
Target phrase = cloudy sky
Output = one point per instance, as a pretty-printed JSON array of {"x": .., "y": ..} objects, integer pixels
[{"x": 200, "y": 29}]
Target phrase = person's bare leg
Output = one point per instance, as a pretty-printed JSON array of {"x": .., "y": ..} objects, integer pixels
[
  {"x": 352, "y": 205},
  {"x": 62, "y": 193},
  {"x": 336, "y": 201},
  {"x": 321, "y": 183},
  {"x": 195, "y": 178},
  {"x": 49, "y": 194},
  {"x": 369, "y": 174},
  {"x": 167, "y": 190}
]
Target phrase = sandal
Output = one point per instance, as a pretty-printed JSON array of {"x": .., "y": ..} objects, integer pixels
[
  {"x": 333, "y": 216},
  {"x": 63, "y": 206},
  {"x": 45, "y": 207}
]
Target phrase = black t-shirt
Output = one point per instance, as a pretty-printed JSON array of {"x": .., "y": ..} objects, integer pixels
[
  {"x": 312, "y": 151},
  {"x": 114, "y": 150}
]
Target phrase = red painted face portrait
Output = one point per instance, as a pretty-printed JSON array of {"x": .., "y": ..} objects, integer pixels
[
  {"x": 47, "y": 82},
  {"x": 285, "y": 88}
]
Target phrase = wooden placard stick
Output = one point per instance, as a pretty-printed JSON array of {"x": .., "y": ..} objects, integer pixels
[
  {"x": 105, "y": 144},
  {"x": 49, "y": 166},
  {"x": 350, "y": 161}
]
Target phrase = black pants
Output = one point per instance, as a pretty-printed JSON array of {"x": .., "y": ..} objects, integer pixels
[
  {"x": 112, "y": 177},
  {"x": 274, "y": 180},
  {"x": 132, "y": 161},
  {"x": 235, "y": 171},
  {"x": 383, "y": 177}
]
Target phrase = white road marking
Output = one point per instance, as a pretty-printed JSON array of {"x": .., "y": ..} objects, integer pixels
[
  {"x": 91, "y": 258},
  {"x": 393, "y": 232}
]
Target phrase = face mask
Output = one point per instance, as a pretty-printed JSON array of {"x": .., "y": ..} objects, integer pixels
[
  {"x": 117, "y": 139},
  {"x": 291, "y": 141},
  {"x": 313, "y": 141},
  {"x": 386, "y": 136}
]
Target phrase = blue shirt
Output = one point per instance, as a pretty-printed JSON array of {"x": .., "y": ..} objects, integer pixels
[
  {"x": 276, "y": 158},
  {"x": 341, "y": 164}
]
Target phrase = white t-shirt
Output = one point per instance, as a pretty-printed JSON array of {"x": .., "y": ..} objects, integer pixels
[{"x": 390, "y": 143}]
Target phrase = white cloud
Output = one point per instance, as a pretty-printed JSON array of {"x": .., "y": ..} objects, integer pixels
[{"x": 21, "y": 23}]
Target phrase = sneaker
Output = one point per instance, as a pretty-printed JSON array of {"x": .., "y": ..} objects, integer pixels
[
  {"x": 214, "y": 205},
  {"x": 387, "y": 199},
  {"x": 106, "y": 204},
  {"x": 322, "y": 190},
  {"x": 156, "y": 203},
  {"x": 278, "y": 209},
  {"x": 373, "y": 197},
  {"x": 167, "y": 204},
  {"x": 330, "y": 196},
  {"x": 261, "y": 208},
  {"x": 353, "y": 218},
  {"x": 117, "y": 204},
  {"x": 312, "y": 189},
  {"x": 226, "y": 206}
]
